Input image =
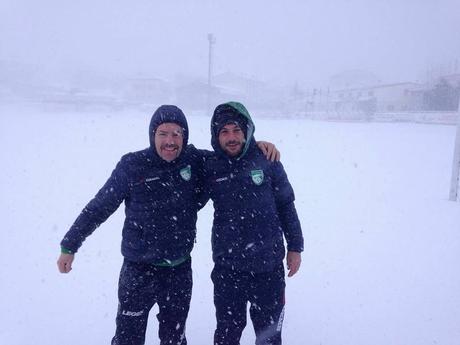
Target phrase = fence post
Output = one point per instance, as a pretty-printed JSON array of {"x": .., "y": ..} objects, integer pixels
[{"x": 453, "y": 195}]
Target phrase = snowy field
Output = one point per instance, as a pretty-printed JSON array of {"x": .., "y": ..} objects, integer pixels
[{"x": 381, "y": 265}]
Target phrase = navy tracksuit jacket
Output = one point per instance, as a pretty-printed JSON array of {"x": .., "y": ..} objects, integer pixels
[
  {"x": 160, "y": 206},
  {"x": 253, "y": 204},
  {"x": 253, "y": 210}
]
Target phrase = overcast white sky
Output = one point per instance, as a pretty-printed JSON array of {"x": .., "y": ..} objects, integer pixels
[{"x": 304, "y": 41}]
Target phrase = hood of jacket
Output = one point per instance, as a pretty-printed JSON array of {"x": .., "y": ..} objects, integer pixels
[
  {"x": 168, "y": 113},
  {"x": 227, "y": 113}
]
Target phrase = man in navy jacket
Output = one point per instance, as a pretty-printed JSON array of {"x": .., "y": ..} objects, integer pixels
[
  {"x": 161, "y": 188},
  {"x": 253, "y": 209}
]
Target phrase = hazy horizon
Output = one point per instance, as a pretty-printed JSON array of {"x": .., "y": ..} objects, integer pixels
[{"x": 294, "y": 41}]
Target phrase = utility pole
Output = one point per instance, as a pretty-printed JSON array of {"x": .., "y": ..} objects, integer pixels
[
  {"x": 212, "y": 41},
  {"x": 453, "y": 195}
]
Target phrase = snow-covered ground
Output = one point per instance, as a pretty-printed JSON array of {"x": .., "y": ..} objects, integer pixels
[{"x": 382, "y": 256}]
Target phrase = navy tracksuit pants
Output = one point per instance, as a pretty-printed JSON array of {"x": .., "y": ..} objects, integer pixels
[
  {"x": 265, "y": 293},
  {"x": 140, "y": 287}
]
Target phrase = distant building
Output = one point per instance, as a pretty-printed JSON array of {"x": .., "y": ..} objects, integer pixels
[
  {"x": 255, "y": 94},
  {"x": 195, "y": 95},
  {"x": 380, "y": 98},
  {"x": 237, "y": 85},
  {"x": 353, "y": 79},
  {"x": 452, "y": 79},
  {"x": 147, "y": 91}
]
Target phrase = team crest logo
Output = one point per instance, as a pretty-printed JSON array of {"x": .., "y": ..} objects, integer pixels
[
  {"x": 257, "y": 176},
  {"x": 186, "y": 173}
]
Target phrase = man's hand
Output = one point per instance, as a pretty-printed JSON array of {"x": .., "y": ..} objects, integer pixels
[
  {"x": 65, "y": 263},
  {"x": 269, "y": 150},
  {"x": 293, "y": 261}
]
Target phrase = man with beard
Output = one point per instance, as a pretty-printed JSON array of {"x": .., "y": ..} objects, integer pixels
[{"x": 253, "y": 210}]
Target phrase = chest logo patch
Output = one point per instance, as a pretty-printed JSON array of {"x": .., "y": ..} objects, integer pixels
[
  {"x": 186, "y": 173},
  {"x": 257, "y": 176}
]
